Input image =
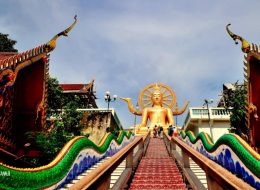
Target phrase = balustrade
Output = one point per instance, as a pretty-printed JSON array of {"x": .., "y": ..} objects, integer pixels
[
  {"x": 100, "y": 177},
  {"x": 217, "y": 176},
  {"x": 200, "y": 113}
]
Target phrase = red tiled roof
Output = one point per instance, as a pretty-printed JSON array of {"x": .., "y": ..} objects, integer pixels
[
  {"x": 69, "y": 87},
  {"x": 16, "y": 58},
  {"x": 5, "y": 55}
]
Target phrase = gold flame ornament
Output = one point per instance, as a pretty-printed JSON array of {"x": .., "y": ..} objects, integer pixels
[
  {"x": 52, "y": 43},
  {"x": 245, "y": 45}
]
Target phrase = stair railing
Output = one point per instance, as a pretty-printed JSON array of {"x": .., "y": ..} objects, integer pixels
[
  {"x": 217, "y": 176},
  {"x": 99, "y": 178}
]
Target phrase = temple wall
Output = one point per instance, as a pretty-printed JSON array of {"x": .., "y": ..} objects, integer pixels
[{"x": 96, "y": 124}]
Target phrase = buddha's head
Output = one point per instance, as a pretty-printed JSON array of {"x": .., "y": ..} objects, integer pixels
[{"x": 157, "y": 96}]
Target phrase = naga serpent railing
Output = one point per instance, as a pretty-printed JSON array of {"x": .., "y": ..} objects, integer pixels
[
  {"x": 76, "y": 156},
  {"x": 101, "y": 176},
  {"x": 230, "y": 163}
]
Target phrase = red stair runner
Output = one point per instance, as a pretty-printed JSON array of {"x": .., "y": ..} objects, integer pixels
[{"x": 157, "y": 170}]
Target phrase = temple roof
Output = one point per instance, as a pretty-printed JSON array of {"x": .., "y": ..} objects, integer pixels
[
  {"x": 77, "y": 88},
  {"x": 12, "y": 60},
  {"x": 84, "y": 91},
  {"x": 6, "y": 55},
  {"x": 8, "y": 60}
]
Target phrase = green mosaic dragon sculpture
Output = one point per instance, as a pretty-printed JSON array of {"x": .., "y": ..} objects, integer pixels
[
  {"x": 75, "y": 157},
  {"x": 231, "y": 152}
]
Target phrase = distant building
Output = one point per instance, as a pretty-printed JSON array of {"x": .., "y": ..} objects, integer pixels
[
  {"x": 85, "y": 92},
  {"x": 228, "y": 90},
  {"x": 214, "y": 121}
]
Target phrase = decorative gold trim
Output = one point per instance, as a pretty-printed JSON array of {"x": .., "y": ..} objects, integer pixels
[
  {"x": 88, "y": 86},
  {"x": 51, "y": 164},
  {"x": 13, "y": 61},
  {"x": 166, "y": 92},
  {"x": 245, "y": 45},
  {"x": 104, "y": 139},
  {"x": 52, "y": 43},
  {"x": 247, "y": 147}
]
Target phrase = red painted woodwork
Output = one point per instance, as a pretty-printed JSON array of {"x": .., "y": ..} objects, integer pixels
[
  {"x": 28, "y": 93},
  {"x": 254, "y": 91},
  {"x": 69, "y": 87}
]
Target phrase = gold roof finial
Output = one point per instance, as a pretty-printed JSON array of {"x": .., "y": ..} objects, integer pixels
[
  {"x": 245, "y": 45},
  {"x": 52, "y": 43}
]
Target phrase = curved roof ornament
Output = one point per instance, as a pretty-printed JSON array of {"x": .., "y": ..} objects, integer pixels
[
  {"x": 245, "y": 44},
  {"x": 52, "y": 43}
]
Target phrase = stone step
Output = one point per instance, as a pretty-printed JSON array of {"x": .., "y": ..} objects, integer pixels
[
  {"x": 117, "y": 173},
  {"x": 72, "y": 182},
  {"x": 157, "y": 170}
]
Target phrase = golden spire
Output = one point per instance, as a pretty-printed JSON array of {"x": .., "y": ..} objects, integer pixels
[
  {"x": 156, "y": 88},
  {"x": 245, "y": 45},
  {"x": 52, "y": 43}
]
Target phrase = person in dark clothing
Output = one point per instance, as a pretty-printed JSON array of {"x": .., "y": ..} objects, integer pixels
[
  {"x": 155, "y": 131},
  {"x": 160, "y": 129},
  {"x": 170, "y": 130}
]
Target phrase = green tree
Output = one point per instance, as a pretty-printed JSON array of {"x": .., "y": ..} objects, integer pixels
[
  {"x": 237, "y": 101},
  {"x": 72, "y": 118},
  {"x": 48, "y": 143},
  {"x": 7, "y": 44},
  {"x": 54, "y": 98},
  {"x": 67, "y": 123}
]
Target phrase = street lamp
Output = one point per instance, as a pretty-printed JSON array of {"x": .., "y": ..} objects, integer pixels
[
  {"x": 108, "y": 99},
  {"x": 207, "y": 102},
  {"x": 176, "y": 117},
  {"x": 137, "y": 108}
]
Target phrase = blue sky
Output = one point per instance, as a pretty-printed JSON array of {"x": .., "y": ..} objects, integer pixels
[{"x": 127, "y": 45}]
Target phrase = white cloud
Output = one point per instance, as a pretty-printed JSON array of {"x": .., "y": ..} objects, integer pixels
[{"x": 128, "y": 45}]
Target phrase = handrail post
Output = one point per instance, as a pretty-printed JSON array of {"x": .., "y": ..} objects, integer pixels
[
  {"x": 185, "y": 159},
  {"x": 169, "y": 146},
  {"x": 141, "y": 147},
  {"x": 172, "y": 149},
  {"x": 105, "y": 183},
  {"x": 145, "y": 144},
  {"x": 129, "y": 160},
  {"x": 168, "y": 143},
  {"x": 212, "y": 184}
]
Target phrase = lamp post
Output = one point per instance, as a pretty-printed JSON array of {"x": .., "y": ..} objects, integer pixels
[
  {"x": 108, "y": 99},
  {"x": 137, "y": 108},
  {"x": 176, "y": 115},
  {"x": 207, "y": 102}
]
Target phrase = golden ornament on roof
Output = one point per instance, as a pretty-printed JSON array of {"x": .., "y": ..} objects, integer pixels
[{"x": 245, "y": 45}]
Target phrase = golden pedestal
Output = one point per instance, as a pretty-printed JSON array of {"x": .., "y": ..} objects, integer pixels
[{"x": 141, "y": 131}]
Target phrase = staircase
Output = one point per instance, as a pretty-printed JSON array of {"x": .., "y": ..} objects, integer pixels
[
  {"x": 76, "y": 180},
  {"x": 157, "y": 170},
  {"x": 199, "y": 173},
  {"x": 116, "y": 174}
]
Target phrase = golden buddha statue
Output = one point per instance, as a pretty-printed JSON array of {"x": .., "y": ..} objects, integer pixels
[{"x": 156, "y": 96}]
